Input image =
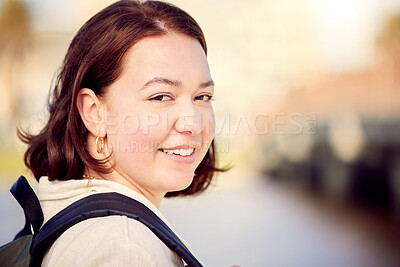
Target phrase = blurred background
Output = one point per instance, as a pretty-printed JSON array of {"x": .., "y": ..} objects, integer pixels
[{"x": 308, "y": 115}]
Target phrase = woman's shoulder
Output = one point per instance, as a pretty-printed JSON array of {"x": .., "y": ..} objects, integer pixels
[{"x": 108, "y": 241}]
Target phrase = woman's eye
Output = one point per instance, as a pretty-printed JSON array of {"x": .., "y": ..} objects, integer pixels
[
  {"x": 160, "y": 98},
  {"x": 204, "y": 98}
]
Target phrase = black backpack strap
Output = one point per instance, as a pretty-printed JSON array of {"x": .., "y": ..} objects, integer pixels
[
  {"x": 28, "y": 200},
  {"x": 106, "y": 204}
]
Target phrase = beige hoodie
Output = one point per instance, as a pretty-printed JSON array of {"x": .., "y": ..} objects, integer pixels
[{"x": 106, "y": 241}]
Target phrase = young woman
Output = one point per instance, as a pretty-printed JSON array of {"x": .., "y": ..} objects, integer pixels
[{"x": 130, "y": 113}]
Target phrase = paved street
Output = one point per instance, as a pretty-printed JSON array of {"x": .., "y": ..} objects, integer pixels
[{"x": 263, "y": 224}]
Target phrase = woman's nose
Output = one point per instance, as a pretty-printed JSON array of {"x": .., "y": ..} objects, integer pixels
[{"x": 189, "y": 121}]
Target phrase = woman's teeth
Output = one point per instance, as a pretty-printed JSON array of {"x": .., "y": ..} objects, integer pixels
[{"x": 182, "y": 152}]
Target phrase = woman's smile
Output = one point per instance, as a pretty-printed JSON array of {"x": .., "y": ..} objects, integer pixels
[{"x": 184, "y": 156}]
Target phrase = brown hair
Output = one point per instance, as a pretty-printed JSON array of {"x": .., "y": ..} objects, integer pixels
[{"x": 95, "y": 60}]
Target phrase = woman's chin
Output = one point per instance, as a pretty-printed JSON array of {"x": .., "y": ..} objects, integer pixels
[{"x": 179, "y": 182}]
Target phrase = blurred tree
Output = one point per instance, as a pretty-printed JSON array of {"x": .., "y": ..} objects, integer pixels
[
  {"x": 391, "y": 30},
  {"x": 389, "y": 44},
  {"x": 15, "y": 40}
]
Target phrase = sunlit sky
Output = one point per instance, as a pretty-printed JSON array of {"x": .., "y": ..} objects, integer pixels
[
  {"x": 343, "y": 29},
  {"x": 346, "y": 29}
]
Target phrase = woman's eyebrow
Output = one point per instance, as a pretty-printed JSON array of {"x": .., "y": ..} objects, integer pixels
[
  {"x": 175, "y": 83},
  {"x": 160, "y": 80},
  {"x": 207, "y": 84}
]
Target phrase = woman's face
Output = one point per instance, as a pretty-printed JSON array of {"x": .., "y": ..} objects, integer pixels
[{"x": 160, "y": 121}]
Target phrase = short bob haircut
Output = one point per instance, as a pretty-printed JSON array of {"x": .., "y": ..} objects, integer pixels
[{"x": 95, "y": 60}]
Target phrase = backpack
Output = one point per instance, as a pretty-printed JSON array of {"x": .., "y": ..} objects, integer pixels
[{"x": 32, "y": 242}]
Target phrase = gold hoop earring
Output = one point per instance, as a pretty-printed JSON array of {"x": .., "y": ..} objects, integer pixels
[{"x": 99, "y": 149}]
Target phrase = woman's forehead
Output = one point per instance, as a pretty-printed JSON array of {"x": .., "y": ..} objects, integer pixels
[
  {"x": 172, "y": 55},
  {"x": 166, "y": 47}
]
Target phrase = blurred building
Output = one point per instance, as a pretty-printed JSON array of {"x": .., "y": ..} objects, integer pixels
[{"x": 339, "y": 134}]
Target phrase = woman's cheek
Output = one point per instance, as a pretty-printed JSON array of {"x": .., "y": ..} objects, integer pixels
[
  {"x": 208, "y": 131},
  {"x": 209, "y": 123}
]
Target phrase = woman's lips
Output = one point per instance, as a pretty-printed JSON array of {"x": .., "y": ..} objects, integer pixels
[{"x": 184, "y": 159}]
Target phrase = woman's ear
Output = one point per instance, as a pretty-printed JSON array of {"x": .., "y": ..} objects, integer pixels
[{"x": 90, "y": 110}]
